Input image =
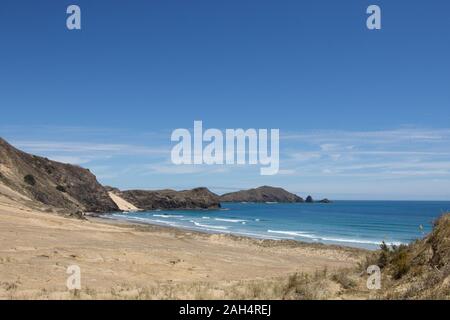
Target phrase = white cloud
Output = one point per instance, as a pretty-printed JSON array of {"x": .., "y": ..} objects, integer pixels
[
  {"x": 343, "y": 158},
  {"x": 70, "y": 159},
  {"x": 329, "y": 146},
  {"x": 84, "y": 147},
  {"x": 378, "y": 137}
]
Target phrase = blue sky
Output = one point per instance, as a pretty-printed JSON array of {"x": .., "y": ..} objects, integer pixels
[{"x": 362, "y": 114}]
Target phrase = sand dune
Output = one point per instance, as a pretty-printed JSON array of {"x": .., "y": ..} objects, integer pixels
[
  {"x": 122, "y": 203},
  {"x": 119, "y": 259}
]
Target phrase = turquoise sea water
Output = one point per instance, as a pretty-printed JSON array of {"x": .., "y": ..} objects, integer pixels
[{"x": 352, "y": 223}]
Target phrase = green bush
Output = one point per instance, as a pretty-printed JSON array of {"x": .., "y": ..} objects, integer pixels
[
  {"x": 395, "y": 258},
  {"x": 401, "y": 262},
  {"x": 384, "y": 257},
  {"x": 29, "y": 179}
]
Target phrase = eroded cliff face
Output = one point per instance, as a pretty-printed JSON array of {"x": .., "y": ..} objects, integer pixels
[
  {"x": 51, "y": 183},
  {"x": 198, "y": 198},
  {"x": 261, "y": 194}
]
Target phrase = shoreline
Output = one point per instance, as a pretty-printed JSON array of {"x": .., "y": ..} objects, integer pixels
[
  {"x": 371, "y": 247},
  {"x": 121, "y": 260},
  {"x": 154, "y": 227}
]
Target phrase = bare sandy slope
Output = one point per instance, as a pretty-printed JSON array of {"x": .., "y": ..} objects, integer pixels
[
  {"x": 123, "y": 204},
  {"x": 126, "y": 261}
]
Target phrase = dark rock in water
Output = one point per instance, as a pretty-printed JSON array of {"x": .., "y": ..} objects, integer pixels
[
  {"x": 52, "y": 183},
  {"x": 309, "y": 199},
  {"x": 261, "y": 194},
  {"x": 199, "y": 198},
  {"x": 324, "y": 201}
]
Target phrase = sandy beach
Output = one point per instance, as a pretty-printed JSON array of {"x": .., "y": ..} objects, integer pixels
[{"x": 122, "y": 260}]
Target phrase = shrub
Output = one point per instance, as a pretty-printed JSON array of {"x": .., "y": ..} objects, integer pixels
[
  {"x": 306, "y": 287},
  {"x": 60, "y": 188},
  {"x": 383, "y": 258},
  {"x": 400, "y": 262},
  {"x": 343, "y": 279},
  {"x": 370, "y": 259},
  {"x": 396, "y": 258},
  {"x": 29, "y": 179}
]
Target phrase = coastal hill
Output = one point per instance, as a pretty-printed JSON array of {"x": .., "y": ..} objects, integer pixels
[
  {"x": 261, "y": 194},
  {"x": 35, "y": 181},
  {"x": 198, "y": 198},
  {"x": 40, "y": 183}
]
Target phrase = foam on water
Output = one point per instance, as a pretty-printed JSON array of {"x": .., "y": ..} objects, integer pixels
[
  {"x": 334, "y": 240},
  {"x": 294, "y": 233},
  {"x": 229, "y": 220},
  {"x": 209, "y": 226},
  {"x": 167, "y": 216},
  {"x": 354, "y": 223}
]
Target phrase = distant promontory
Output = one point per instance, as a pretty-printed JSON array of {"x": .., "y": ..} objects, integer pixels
[
  {"x": 261, "y": 194},
  {"x": 38, "y": 182},
  {"x": 266, "y": 194},
  {"x": 198, "y": 198}
]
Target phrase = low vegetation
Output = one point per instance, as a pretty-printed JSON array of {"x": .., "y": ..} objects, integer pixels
[
  {"x": 61, "y": 188},
  {"x": 420, "y": 270},
  {"x": 397, "y": 258},
  {"x": 29, "y": 179}
]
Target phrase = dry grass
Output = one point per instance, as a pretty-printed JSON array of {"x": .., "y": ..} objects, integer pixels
[
  {"x": 320, "y": 285},
  {"x": 299, "y": 286},
  {"x": 343, "y": 277}
]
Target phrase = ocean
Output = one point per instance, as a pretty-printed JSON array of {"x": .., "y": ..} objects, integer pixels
[{"x": 363, "y": 224}]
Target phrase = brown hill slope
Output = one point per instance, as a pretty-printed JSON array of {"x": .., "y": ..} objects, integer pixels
[
  {"x": 261, "y": 194},
  {"x": 198, "y": 198},
  {"x": 420, "y": 270},
  {"x": 51, "y": 183}
]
